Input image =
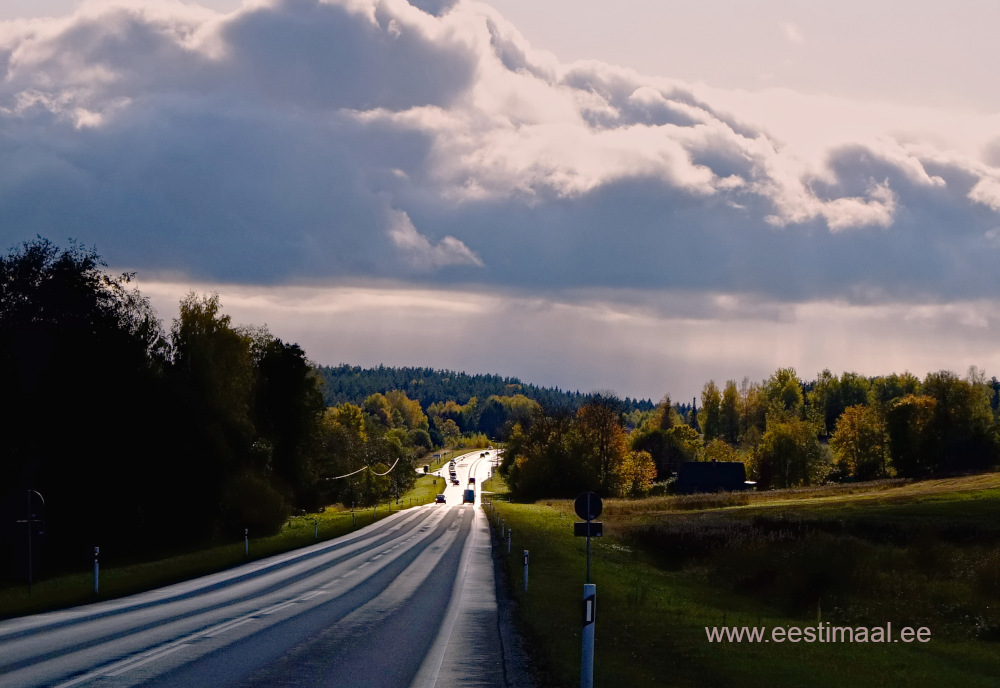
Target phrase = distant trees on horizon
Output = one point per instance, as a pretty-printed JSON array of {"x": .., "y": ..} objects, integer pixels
[{"x": 788, "y": 432}]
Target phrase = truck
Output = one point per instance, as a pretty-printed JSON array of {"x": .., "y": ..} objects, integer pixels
[{"x": 468, "y": 497}]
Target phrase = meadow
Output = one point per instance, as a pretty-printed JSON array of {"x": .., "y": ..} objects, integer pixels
[{"x": 918, "y": 554}]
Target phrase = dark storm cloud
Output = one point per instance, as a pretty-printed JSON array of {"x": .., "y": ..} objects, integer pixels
[{"x": 314, "y": 141}]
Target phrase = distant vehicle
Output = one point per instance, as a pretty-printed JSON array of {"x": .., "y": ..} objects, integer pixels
[
  {"x": 472, "y": 481},
  {"x": 469, "y": 497},
  {"x": 454, "y": 481},
  {"x": 439, "y": 499}
]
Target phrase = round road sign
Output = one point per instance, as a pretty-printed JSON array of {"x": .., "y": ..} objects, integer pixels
[{"x": 588, "y": 506}]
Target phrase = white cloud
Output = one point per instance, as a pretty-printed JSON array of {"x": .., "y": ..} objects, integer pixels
[
  {"x": 421, "y": 253},
  {"x": 301, "y": 140}
]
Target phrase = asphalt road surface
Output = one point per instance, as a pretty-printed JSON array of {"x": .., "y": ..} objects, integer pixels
[{"x": 407, "y": 601}]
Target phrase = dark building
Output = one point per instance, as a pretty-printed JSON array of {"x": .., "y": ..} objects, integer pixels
[{"x": 712, "y": 476}]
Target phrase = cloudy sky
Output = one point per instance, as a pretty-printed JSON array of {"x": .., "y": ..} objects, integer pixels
[{"x": 638, "y": 196}]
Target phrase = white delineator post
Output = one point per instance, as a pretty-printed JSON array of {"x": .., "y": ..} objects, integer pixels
[{"x": 589, "y": 621}]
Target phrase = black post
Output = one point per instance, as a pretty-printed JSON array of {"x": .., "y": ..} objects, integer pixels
[{"x": 588, "y": 537}]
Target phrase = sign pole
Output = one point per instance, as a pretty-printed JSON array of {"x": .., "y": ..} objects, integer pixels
[{"x": 588, "y": 506}]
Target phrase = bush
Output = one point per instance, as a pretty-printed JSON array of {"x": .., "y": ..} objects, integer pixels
[{"x": 249, "y": 501}]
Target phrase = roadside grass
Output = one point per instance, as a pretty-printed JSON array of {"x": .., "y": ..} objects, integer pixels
[
  {"x": 127, "y": 578},
  {"x": 914, "y": 554}
]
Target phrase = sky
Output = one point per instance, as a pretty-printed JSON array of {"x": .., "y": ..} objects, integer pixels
[{"x": 638, "y": 197}]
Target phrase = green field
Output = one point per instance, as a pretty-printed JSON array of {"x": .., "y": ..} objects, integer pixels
[
  {"x": 922, "y": 554},
  {"x": 116, "y": 581}
]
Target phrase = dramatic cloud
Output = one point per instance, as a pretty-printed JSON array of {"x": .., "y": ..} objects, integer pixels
[
  {"x": 308, "y": 140},
  {"x": 331, "y": 141}
]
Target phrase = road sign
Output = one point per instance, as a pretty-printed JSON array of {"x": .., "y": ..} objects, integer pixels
[
  {"x": 588, "y": 506},
  {"x": 588, "y": 529}
]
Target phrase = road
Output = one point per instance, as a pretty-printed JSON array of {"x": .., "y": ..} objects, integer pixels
[{"x": 407, "y": 601}]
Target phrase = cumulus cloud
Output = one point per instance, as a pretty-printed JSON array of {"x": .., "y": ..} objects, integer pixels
[{"x": 305, "y": 140}]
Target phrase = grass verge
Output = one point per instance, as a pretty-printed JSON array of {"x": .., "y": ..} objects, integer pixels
[
  {"x": 117, "y": 581},
  {"x": 919, "y": 554}
]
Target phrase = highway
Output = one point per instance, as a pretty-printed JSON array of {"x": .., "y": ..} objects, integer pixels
[{"x": 407, "y": 601}]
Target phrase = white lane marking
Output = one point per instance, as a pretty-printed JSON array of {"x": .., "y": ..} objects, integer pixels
[
  {"x": 228, "y": 627},
  {"x": 147, "y": 660},
  {"x": 311, "y": 594}
]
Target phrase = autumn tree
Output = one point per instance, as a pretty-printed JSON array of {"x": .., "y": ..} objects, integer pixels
[
  {"x": 860, "y": 443},
  {"x": 635, "y": 474},
  {"x": 601, "y": 437}
]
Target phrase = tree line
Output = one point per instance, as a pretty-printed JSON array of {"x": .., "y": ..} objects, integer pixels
[
  {"x": 345, "y": 383},
  {"x": 786, "y": 431}
]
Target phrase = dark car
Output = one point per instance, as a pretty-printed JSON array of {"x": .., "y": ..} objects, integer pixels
[{"x": 439, "y": 499}]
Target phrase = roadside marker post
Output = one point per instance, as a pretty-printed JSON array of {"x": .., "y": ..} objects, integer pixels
[
  {"x": 589, "y": 622},
  {"x": 509, "y": 532},
  {"x": 97, "y": 571},
  {"x": 316, "y": 529},
  {"x": 525, "y": 570},
  {"x": 246, "y": 542},
  {"x": 588, "y": 506}
]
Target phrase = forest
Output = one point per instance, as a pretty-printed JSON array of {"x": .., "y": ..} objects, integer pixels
[{"x": 346, "y": 383}]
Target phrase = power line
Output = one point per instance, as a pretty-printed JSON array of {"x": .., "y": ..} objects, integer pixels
[{"x": 364, "y": 468}]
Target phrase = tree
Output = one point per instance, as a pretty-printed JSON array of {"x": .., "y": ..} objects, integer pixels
[
  {"x": 731, "y": 413},
  {"x": 288, "y": 413},
  {"x": 962, "y": 420},
  {"x": 602, "y": 437},
  {"x": 753, "y": 409},
  {"x": 719, "y": 450},
  {"x": 85, "y": 412},
  {"x": 783, "y": 392},
  {"x": 634, "y": 476},
  {"x": 860, "y": 443},
  {"x": 789, "y": 454},
  {"x": 710, "y": 417},
  {"x": 912, "y": 442}
]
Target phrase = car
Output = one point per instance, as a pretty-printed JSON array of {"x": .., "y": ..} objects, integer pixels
[
  {"x": 454, "y": 481},
  {"x": 472, "y": 481},
  {"x": 440, "y": 499}
]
